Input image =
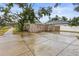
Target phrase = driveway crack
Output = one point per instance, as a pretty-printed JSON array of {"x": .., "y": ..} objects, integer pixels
[{"x": 65, "y": 47}]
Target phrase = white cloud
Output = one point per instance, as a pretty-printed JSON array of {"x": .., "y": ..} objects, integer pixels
[
  {"x": 44, "y": 19},
  {"x": 64, "y": 11}
]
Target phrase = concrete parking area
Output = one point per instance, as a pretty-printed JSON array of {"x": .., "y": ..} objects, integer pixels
[{"x": 39, "y": 44}]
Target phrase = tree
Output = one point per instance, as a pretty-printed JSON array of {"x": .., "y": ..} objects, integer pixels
[
  {"x": 6, "y": 17},
  {"x": 56, "y": 18},
  {"x": 45, "y": 12},
  {"x": 42, "y": 12},
  {"x": 2, "y": 21},
  {"x": 64, "y": 18},
  {"x": 77, "y": 7},
  {"x": 74, "y": 21},
  {"x": 49, "y": 11},
  {"x": 27, "y": 15}
]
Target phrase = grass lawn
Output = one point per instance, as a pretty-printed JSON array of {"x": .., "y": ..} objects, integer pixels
[
  {"x": 15, "y": 31},
  {"x": 3, "y": 30}
]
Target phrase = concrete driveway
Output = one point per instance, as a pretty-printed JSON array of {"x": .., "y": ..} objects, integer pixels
[{"x": 39, "y": 44}]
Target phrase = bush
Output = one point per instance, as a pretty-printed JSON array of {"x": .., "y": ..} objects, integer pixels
[{"x": 74, "y": 21}]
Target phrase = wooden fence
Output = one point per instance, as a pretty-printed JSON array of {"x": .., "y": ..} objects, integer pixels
[{"x": 41, "y": 28}]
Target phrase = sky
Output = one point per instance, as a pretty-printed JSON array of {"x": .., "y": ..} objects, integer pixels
[{"x": 65, "y": 9}]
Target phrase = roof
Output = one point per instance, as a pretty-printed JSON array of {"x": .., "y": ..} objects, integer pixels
[{"x": 57, "y": 22}]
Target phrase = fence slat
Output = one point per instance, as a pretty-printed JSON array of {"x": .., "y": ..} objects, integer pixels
[{"x": 42, "y": 28}]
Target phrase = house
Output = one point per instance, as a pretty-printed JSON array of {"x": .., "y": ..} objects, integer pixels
[{"x": 57, "y": 22}]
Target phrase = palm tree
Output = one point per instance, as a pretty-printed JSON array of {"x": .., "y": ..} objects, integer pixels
[
  {"x": 42, "y": 12},
  {"x": 49, "y": 11},
  {"x": 77, "y": 7},
  {"x": 64, "y": 18},
  {"x": 74, "y": 21},
  {"x": 56, "y": 18}
]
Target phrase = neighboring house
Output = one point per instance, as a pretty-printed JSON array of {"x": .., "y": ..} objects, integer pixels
[{"x": 58, "y": 22}]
